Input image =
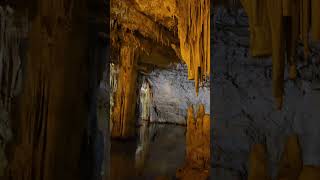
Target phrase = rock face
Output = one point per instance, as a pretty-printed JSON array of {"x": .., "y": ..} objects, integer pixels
[
  {"x": 242, "y": 101},
  {"x": 173, "y": 93},
  {"x": 13, "y": 31},
  {"x": 54, "y": 119},
  {"x": 197, "y": 162}
]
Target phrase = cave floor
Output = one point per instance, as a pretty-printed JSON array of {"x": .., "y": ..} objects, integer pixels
[{"x": 157, "y": 152}]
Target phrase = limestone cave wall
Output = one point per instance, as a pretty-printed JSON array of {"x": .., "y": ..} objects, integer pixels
[
  {"x": 244, "y": 112},
  {"x": 13, "y": 33},
  {"x": 173, "y": 93}
]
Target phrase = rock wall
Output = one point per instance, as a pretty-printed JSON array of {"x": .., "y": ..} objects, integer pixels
[
  {"x": 13, "y": 30},
  {"x": 242, "y": 104},
  {"x": 59, "y": 129},
  {"x": 173, "y": 93}
]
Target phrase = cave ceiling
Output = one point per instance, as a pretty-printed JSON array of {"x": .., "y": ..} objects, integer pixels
[
  {"x": 165, "y": 32},
  {"x": 149, "y": 25}
]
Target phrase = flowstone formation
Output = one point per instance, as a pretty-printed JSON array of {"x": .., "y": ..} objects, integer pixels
[
  {"x": 276, "y": 27},
  {"x": 163, "y": 33},
  {"x": 125, "y": 96},
  {"x": 197, "y": 161}
]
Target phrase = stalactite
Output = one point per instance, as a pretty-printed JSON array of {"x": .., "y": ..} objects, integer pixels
[
  {"x": 123, "y": 116},
  {"x": 315, "y": 4},
  {"x": 305, "y": 25},
  {"x": 197, "y": 159},
  {"x": 260, "y": 39},
  {"x": 194, "y": 36},
  {"x": 282, "y": 21}
]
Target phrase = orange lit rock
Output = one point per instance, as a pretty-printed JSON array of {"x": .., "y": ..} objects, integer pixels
[
  {"x": 291, "y": 161},
  {"x": 194, "y": 36},
  {"x": 281, "y": 21},
  {"x": 258, "y": 166},
  {"x": 182, "y": 26},
  {"x": 123, "y": 115},
  {"x": 197, "y": 146}
]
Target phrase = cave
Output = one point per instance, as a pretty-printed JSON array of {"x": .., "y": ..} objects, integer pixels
[{"x": 160, "y": 89}]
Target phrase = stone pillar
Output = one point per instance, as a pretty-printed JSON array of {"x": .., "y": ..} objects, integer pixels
[
  {"x": 123, "y": 113},
  {"x": 52, "y": 111},
  {"x": 197, "y": 163}
]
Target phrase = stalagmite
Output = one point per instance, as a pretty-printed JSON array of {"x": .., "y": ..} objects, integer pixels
[
  {"x": 291, "y": 161},
  {"x": 258, "y": 166},
  {"x": 197, "y": 163},
  {"x": 194, "y": 36},
  {"x": 123, "y": 116}
]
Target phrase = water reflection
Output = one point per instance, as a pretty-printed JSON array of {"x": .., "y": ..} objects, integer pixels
[
  {"x": 158, "y": 151},
  {"x": 143, "y": 146}
]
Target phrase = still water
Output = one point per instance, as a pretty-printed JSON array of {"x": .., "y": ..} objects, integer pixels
[{"x": 156, "y": 153}]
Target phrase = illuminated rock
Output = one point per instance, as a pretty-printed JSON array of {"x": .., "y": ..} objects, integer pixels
[
  {"x": 258, "y": 166},
  {"x": 197, "y": 163},
  {"x": 281, "y": 21},
  {"x": 123, "y": 116},
  {"x": 291, "y": 161}
]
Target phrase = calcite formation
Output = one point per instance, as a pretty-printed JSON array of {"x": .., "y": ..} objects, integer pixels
[
  {"x": 160, "y": 21},
  {"x": 158, "y": 30},
  {"x": 258, "y": 163},
  {"x": 290, "y": 164},
  {"x": 145, "y": 100},
  {"x": 123, "y": 116},
  {"x": 197, "y": 161},
  {"x": 52, "y": 113},
  {"x": 283, "y": 22},
  {"x": 194, "y": 36}
]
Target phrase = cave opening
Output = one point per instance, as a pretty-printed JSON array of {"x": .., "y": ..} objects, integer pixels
[{"x": 160, "y": 120}]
